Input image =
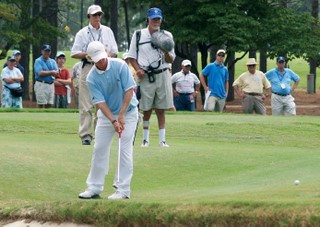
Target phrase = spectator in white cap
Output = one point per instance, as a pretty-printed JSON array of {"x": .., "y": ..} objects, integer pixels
[
  {"x": 186, "y": 86},
  {"x": 111, "y": 88},
  {"x": 218, "y": 83},
  {"x": 11, "y": 78},
  {"x": 252, "y": 87},
  {"x": 17, "y": 56},
  {"x": 95, "y": 31},
  {"x": 62, "y": 83},
  {"x": 282, "y": 101}
]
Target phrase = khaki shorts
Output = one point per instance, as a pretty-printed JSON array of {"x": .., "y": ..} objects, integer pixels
[
  {"x": 44, "y": 93},
  {"x": 158, "y": 94}
]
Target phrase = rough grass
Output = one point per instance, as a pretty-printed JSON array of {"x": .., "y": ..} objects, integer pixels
[{"x": 221, "y": 170}]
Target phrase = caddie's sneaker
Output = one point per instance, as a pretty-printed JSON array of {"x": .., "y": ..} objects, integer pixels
[
  {"x": 145, "y": 143},
  {"x": 163, "y": 144},
  {"x": 117, "y": 195},
  {"x": 88, "y": 194}
]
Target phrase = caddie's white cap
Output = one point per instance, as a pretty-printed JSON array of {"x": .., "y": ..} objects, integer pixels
[
  {"x": 93, "y": 9},
  {"x": 96, "y": 51},
  {"x": 186, "y": 62}
]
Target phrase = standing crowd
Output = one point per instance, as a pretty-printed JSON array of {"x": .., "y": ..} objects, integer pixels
[{"x": 108, "y": 91}]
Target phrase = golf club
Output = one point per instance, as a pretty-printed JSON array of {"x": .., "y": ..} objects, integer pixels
[{"x": 119, "y": 150}]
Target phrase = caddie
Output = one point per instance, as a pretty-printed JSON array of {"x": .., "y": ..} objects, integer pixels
[
  {"x": 111, "y": 88},
  {"x": 151, "y": 53}
]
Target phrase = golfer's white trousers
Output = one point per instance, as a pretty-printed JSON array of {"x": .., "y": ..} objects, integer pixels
[{"x": 104, "y": 134}]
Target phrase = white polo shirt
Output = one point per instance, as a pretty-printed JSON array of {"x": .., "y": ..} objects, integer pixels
[
  {"x": 185, "y": 82},
  {"x": 147, "y": 54},
  {"x": 88, "y": 34}
]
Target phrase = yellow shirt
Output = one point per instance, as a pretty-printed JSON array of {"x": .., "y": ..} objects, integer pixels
[{"x": 252, "y": 83}]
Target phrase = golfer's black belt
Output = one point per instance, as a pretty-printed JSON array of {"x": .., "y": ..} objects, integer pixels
[
  {"x": 253, "y": 94},
  {"x": 280, "y": 94}
]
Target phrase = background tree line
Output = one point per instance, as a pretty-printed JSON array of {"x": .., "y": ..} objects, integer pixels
[{"x": 270, "y": 27}]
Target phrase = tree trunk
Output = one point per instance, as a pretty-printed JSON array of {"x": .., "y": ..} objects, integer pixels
[
  {"x": 263, "y": 61},
  {"x": 253, "y": 54},
  {"x": 231, "y": 69},
  {"x": 125, "y": 6},
  {"x": 313, "y": 63},
  {"x": 25, "y": 50},
  {"x": 203, "y": 48},
  {"x": 114, "y": 18}
]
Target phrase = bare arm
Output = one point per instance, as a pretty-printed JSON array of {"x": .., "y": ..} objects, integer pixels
[
  {"x": 135, "y": 65},
  {"x": 203, "y": 82}
]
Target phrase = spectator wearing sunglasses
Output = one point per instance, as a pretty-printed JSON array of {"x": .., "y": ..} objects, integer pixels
[
  {"x": 95, "y": 31},
  {"x": 218, "y": 83},
  {"x": 253, "y": 87},
  {"x": 283, "y": 82}
]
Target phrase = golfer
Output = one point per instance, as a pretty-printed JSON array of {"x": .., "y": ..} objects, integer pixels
[{"x": 111, "y": 87}]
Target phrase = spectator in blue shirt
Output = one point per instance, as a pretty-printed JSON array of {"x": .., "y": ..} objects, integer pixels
[
  {"x": 45, "y": 70},
  {"x": 281, "y": 79},
  {"x": 218, "y": 82}
]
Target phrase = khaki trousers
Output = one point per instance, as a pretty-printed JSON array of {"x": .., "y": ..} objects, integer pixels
[{"x": 85, "y": 105}]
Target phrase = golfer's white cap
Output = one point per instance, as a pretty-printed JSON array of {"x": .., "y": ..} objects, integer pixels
[{"x": 96, "y": 51}]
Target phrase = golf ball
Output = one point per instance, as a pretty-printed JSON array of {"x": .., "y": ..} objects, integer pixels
[{"x": 296, "y": 182}]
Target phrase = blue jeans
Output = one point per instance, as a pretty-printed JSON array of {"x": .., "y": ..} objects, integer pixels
[{"x": 184, "y": 102}]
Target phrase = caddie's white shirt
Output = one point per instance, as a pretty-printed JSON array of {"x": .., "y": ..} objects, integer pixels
[
  {"x": 147, "y": 54},
  {"x": 185, "y": 82},
  {"x": 89, "y": 34}
]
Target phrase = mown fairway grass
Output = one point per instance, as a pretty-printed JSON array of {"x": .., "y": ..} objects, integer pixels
[{"x": 221, "y": 169}]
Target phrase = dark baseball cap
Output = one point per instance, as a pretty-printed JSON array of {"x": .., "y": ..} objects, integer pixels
[
  {"x": 46, "y": 47},
  {"x": 280, "y": 58}
]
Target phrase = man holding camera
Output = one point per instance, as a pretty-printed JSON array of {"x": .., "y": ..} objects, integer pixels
[{"x": 152, "y": 64}]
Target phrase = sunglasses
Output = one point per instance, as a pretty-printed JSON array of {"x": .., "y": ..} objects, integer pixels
[
  {"x": 96, "y": 14},
  {"x": 221, "y": 55},
  {"x": 280, "y": 62},
  {"x": 251, "y": 65}
]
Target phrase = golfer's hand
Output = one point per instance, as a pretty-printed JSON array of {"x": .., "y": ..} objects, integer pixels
[{"x": 117, "y": 127}]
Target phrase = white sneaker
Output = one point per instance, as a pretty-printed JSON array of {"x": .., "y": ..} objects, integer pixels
[
  {"x": 117, "y": 195},
  {"x": 145, "y": 143},
  {"x": 163, "y": 144},
  {"x": 88, "y": 194}
]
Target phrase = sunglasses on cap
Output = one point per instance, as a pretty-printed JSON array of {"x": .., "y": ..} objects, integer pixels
[{"x": 96, "y": 14}]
